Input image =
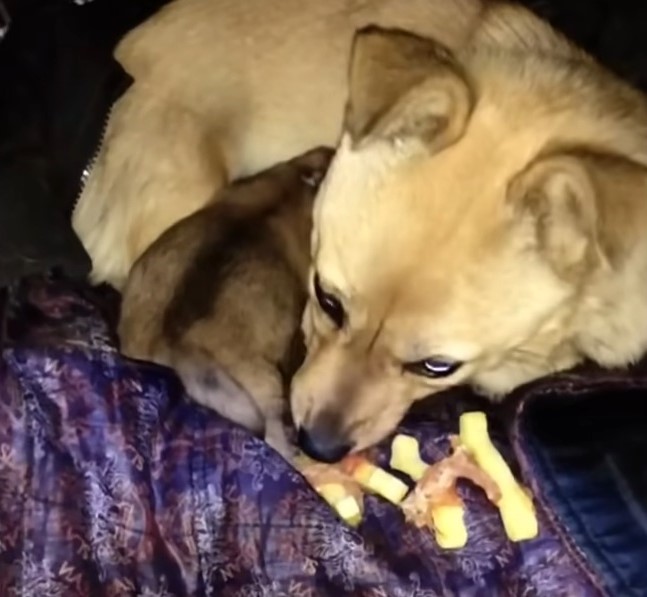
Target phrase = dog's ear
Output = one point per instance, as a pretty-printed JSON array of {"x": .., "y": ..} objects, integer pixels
[
  {"x": 403, "y": 86},
  {"x": 585, "y": 208}
]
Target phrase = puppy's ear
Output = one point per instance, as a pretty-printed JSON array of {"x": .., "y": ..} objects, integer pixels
[
  {"x": 585, "y": 208},
  {"x": 314, "y": 165},
  {"x": 403, "y": 86}
]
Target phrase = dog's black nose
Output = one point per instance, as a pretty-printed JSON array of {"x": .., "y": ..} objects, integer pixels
[{"x": 322, "y": 446}]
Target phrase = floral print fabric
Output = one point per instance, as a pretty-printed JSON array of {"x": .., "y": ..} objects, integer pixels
[{"x": 112, "y": 483}]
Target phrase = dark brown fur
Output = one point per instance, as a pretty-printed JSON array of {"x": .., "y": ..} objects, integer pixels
[{"x": 219, "y": 296}]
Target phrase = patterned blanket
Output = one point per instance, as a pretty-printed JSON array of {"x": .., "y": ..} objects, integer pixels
[{"x": 112, "y": 483}]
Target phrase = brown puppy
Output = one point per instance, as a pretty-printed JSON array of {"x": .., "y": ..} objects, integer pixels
[{"x": 219, "y": 295}]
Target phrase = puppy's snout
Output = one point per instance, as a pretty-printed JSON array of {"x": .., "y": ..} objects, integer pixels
[{"x": 323, "y": 444}]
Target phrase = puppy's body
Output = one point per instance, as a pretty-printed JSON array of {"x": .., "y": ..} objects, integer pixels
[
  {"x": 484, "y": 218},
  {"x": 219, "y": 295}
]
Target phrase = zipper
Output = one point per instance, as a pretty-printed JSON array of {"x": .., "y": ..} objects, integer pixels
[
  {"x": 5, "y": 20},
  {"x": 90, "y": 164}
]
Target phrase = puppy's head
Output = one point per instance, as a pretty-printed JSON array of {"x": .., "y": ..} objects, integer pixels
[
  {"x": 293, "y": 180},
  {"x": 455, "y": 236}
]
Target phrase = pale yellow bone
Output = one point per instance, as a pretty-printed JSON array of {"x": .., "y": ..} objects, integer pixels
[
  {"x": 332, "y": 492},
  {"x": 449, "y": 526},
  {"x": 374, "y": 479},
  {"x": 405, "y": 457},
  {"x": 515, "y": 506},
  {"x": 342, "y": 502}
]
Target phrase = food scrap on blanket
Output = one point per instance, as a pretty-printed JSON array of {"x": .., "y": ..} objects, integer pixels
[
  {"x": 336, "y": 487},
  {"x": 434, "y": 503},
  {"x": 343, "y": 485}
]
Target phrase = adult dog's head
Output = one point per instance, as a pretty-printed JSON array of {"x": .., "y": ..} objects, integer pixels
[{"x": 482, "y": 223}]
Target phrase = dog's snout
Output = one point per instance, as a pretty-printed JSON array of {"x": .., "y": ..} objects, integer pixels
[{"x": 323, "y": 445}]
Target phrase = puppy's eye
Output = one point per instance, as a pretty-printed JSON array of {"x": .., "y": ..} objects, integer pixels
[
  {"x": 329, "y": 304},
  {"x": 434, "y": 367}
]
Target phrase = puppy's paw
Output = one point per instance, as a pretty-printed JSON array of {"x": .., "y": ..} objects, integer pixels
[{"x": 276, "y": 438}]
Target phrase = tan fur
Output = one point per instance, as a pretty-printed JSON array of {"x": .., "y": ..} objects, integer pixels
[
  {"x": 520, "y": 248},
  {"x": 220, "y": 294},
  {"x": 224, "y": 89},
  {"x": 487, "y": 202}
]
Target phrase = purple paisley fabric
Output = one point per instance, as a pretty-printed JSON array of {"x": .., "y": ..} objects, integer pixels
[{"x": 112, "y": 483}]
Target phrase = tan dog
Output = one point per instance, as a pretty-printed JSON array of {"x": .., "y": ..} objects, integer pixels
[
  {"x": 484, "y": 220},
  {"x": 224, "y": 89},
  {"x": 219, "y": 296},
  {"x": 497, "y": 230}
]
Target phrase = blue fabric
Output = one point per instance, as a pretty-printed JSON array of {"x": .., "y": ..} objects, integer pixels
[{"x": 583, "y": 439}]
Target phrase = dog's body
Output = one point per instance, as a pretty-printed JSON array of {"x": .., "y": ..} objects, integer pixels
[
  {"x": 219, "y": 296},
  {"x": 483, "y": 221},
  {"x": 228, "y": 89}
]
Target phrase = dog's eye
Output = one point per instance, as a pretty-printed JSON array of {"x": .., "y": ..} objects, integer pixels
[
  {"x": 329, "y": 304},
  {"x": 435, "y": 367}
]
